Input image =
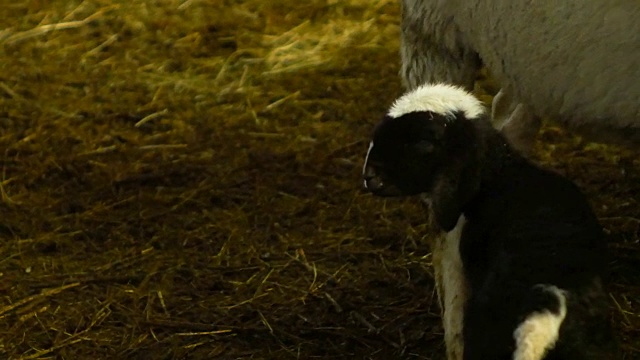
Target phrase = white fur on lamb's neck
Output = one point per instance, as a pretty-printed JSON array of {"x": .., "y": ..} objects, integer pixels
[{"x": 438, "y": 98}]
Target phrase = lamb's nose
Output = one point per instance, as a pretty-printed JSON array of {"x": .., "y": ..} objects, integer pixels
[{"x": 371, "y": 181}]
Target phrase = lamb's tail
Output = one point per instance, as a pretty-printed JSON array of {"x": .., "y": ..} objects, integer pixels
[{"x": 540, "y": 330}]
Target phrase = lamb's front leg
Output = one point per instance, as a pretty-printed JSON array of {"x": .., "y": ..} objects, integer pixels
[
  {"x": 454, "y": 289},
  {"x": 436, "y": 262},
  {"x": 430, "y": 50}
]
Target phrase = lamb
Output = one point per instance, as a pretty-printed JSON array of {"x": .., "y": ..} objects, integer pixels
[
  {"x": 575, "y": 61},
  {"x": 520, "y": 266}
]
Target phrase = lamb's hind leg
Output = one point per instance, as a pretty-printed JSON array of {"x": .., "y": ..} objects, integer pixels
[
  {"x": 540, "y": 330},
  {"x": 515, "y": 120}
]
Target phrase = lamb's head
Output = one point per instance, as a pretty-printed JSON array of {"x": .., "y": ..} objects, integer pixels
[
  {"x": 404, "y": 154},
  {"x": 423, "y": 146}
]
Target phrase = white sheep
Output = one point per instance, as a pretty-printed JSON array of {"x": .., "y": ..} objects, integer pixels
[
  {"x": 519, "y": 269},
  {"x": 575, "y": 61}
]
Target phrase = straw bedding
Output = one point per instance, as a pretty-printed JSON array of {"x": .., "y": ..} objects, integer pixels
[{"x": 180, "y": 180}]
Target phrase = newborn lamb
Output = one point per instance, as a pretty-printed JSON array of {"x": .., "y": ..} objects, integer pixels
[{"x": 519, "y": 270}]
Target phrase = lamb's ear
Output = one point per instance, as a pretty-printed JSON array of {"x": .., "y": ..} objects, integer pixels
[{"x": 453, "y": 189}]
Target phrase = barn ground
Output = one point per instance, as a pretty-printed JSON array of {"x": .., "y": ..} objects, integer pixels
[{"x": 180, "y": 180}]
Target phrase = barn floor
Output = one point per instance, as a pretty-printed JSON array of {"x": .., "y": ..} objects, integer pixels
[{"x": 180, "y": 180}]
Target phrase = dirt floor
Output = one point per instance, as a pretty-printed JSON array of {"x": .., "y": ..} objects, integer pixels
[{"x": 180, "y": 180}]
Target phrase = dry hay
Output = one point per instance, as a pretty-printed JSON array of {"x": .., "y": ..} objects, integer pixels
[{"x": 180, "y": 179}]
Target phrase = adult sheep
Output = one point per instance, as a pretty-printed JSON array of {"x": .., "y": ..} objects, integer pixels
[
  {"x": 575, "y": 61},
  {"x": 519, "y": 272}
]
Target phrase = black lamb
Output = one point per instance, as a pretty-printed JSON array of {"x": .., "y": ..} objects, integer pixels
[{"x": 521, "y": 264}]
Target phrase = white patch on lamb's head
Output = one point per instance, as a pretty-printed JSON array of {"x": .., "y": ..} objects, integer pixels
[{"x": 440, "y": 99}]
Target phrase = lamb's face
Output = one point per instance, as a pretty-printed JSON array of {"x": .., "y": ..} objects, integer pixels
[{"x": 405, "y": 154}]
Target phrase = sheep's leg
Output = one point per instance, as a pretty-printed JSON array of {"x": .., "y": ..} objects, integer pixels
[
  {"x": 522, "y": 128},
  {"x": 502, "y": 107},
  {"x": 539, "y": 332},
  {"x": 430, "y": 50},
  {"x": 515, "y": 120}
]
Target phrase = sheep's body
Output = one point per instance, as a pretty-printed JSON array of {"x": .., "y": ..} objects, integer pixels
[
  {"x": 527, "y": 272},
  {"x": 576, "y": 61}
]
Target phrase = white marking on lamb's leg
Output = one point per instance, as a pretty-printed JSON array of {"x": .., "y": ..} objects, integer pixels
[
  {"x": 540, "y": 330},
  {"x": 436, "y": 261},
  {"x": 454, "y": 289},
  {"x": 436, "y": 247},
  {"x": 366, "y": 160}
]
